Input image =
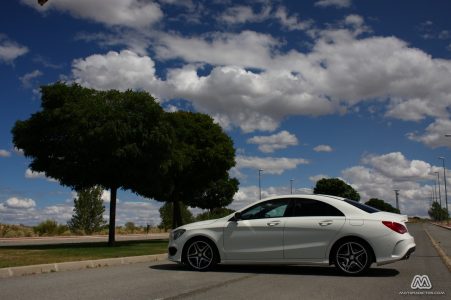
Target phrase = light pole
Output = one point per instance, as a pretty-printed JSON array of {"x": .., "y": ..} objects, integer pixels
[
  {"x": 397, "y": 202},
  {"x": 260, "y": 182},
  {"x": 291, "y": 186},
  {"x": 439, "y": 192},
  {"x": 444, "y": 179}
]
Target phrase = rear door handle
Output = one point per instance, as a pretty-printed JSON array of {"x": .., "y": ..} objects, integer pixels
[
  {"x": 325, "y": 223},
  {"x": 273, "y": 223}
]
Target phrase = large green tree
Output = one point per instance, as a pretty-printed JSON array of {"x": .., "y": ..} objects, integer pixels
[
  {"x": 382, "y": 205},
  {"x": 84, "y": 137},
  {"x": 336, "y": 187},
  {"x": 201, "y": 156},
  {"x": 438, "y": 213},
  {"x": 88, "y": 211}
]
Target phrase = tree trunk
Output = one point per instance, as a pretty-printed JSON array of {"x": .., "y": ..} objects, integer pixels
[
  {"x": 176, "y": 215},
  {"x": 112, "y": 226}
]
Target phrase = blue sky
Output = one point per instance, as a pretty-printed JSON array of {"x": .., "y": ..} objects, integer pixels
[{"x": 358, "y": 90}]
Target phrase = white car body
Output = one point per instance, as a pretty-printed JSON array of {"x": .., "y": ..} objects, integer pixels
[{"x": 297, "y": 239}]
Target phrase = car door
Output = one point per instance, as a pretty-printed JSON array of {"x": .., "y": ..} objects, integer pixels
[
  {"x": 258, "y": 235},
  {"x": 311, "y": 227}
]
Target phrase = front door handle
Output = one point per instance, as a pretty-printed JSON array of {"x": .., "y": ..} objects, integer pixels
[
  {"x": 325, "y": 223},
  {"x": 273, "y": 223}
]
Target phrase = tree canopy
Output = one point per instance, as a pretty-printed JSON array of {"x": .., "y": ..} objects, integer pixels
[
  {"x": 84, "y": 137},
  {"x": 201, "y": 156},
  {"x": 336, "y": 187},
  {"x": 382, "y": 205}
]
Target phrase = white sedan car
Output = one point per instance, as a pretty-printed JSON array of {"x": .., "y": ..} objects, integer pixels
[{"x": 296, "y": 229}]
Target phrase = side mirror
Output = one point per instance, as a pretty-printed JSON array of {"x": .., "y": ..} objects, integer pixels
[{"x": 237, "y": 216}]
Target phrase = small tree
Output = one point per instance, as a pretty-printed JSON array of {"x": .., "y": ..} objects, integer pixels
[
  {"x": 166, "y": 213},
  {"x": 215, "y": 213},
  {"x": 130, "y": 227},
  {"x": 46, "y": 228},
  {"x": 437, "y": 213},
  {"x": 336, "y": 187},
  {"x": 88, "y": 211},
  {"x": 382, "y": 205}
]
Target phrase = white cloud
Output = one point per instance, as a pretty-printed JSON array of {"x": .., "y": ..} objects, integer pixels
[
  {"x": 336, "y": 3},
  {"x": 37, "y": 175},
  {"x": 270, "y": 165},
  {"x": 241, "y": 14},
  {"x": 116, "y": 70},
  {"x": 19, "y": 203},
  {"x": 270, "y": 143},
  {"x": 27, "y": 79},
  {"x": 10, "y": 50},
  {"x": 396, "y": 166},
  {"x": 128, "y": 13},
  {"x": 254, "y": 85},
  {"x": 139, "y": 212},
  {"x": 434, "y": 135},
  {"x": 381, "y": 174},
  {"x": 291, "y": 22},
  {"x": 323, "y": 148},
  {"x": 106, "y": 197},
  {"x": 315, "y": 178},
  {"x": 4, "y": 153},
  {"x": 248, "y": 48},
  {"x": 236, "y": 97}
]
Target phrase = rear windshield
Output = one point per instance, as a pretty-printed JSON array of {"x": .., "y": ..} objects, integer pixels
[{"x": 364, "y": 207}]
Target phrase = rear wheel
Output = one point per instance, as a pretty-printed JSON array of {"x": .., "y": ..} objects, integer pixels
[
  {"x": 200, "y": 255},
  {"x": 352, "y": 257}
]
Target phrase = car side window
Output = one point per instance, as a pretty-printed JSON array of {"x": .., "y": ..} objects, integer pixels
[
  {"x": 268, "y": 209},
  {"x": 313, "y": 208}
]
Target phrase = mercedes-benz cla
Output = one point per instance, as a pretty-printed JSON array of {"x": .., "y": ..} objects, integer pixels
[{"x": 296, "y": 229}]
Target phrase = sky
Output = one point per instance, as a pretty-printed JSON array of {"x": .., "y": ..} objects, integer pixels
[{"x": 359, "y": 90}]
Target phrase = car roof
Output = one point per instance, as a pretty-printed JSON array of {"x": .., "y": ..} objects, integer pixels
[{"x": 338, "y": 202}]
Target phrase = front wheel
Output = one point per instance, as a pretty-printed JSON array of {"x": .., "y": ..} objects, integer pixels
[
  {"x": 200, "y": 255},
  {"x": 352, "y": 258}
]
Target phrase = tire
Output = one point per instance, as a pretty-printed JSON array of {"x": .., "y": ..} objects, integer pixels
[
  {"x": 352, "y": 257},
  {"x": 200, "y": 255}
]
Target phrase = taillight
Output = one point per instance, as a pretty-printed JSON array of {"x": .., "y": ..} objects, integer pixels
[{"x": 399, "y": 228}]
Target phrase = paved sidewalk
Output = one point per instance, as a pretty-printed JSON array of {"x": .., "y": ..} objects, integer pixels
[{"x": 441, "y": 239}]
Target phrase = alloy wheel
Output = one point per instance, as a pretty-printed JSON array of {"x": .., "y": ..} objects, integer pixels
[
  {"x": 200, "y": 255},
  {"x": 352, "y": 257}
]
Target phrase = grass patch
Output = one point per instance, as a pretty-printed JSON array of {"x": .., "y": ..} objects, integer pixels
[{"x": 14, "y": 256}]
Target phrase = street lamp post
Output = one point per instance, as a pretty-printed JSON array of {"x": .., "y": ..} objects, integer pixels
[
  {"x": 444, "y": 179},
  {"x": 260, "y": 182},
  {"x": 397, "y": 202},
  {"x": 291, "y": 186},
  {"x": 439, "y": 192}
]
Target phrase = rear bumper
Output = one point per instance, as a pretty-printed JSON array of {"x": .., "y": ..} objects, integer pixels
[
  {"x": 409, "y": 252},
  {"x": 401, "y": 250}
]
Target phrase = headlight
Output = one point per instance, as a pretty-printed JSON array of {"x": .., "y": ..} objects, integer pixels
[{"x": 177, "y": 233}]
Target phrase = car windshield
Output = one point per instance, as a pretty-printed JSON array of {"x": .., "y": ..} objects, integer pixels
[{"x": 364, "y": 207}]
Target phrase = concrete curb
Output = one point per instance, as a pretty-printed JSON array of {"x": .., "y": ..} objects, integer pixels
[
  {"x": 446, "y": 259},
  {"x": 441, "y": 226},
  {"x": 79, "y": 265}
]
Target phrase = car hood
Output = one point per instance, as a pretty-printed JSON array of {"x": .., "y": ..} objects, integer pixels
[
  {"x": 388, "y": 216},
  {"x": 199, "y": 224}
]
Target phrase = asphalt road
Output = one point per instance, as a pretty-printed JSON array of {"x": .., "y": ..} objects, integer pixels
[{"x": 167, "y": 280}]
